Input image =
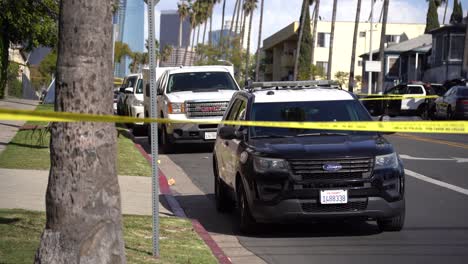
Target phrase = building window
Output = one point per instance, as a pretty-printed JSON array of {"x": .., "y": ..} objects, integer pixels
[
  {"x": 457, "y": 43},
  {"x": 323, "y": 67},
  {"x": 323, "y": 40},
  {"x": 393, "y": 66},
  {"x": 445, "y": 50},
  {"x": 392, "y": 39},
  {"x": 362, "y": 34},
  {"x": 438, "y": 49}
]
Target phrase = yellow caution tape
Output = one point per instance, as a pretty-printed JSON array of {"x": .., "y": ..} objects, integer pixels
[{"x": 446, "y": 127}]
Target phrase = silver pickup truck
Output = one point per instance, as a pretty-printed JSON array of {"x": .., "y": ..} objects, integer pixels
[{"x": 190, "y": 93}]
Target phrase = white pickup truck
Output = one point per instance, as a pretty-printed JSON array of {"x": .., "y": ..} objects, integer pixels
[{"x": 190, "y": 93}]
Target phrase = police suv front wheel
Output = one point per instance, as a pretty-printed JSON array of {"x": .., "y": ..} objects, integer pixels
[{"x": 392, "y": 224}]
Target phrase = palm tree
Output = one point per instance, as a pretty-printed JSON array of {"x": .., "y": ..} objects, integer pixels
[
  {"x": 332, "y": 37},
  {"x": 193, "y": 25},
  {"x": 445, "y": 12},
  {"x": 305, "y": 4},
  {"x": 243, "y": 17},
  {"x": 166, "y": 53},
  {"x": 353, "y": 50},
  {"x": 259, "y": 43},
  {"x": 121, "y": 49},
  {"x": 314, "y": 32},
  {"x": 84, "y": 219},
  {"x": 204, "y": 14},
  {"x": 250, "y": 6},
  {"x": 381, "y": 79},
  {"x": 183, "y": 10}
]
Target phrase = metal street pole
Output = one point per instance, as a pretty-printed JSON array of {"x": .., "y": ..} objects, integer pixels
[
  {"x": 369, "y": 85},
  {"x": 154, "y": 126}
]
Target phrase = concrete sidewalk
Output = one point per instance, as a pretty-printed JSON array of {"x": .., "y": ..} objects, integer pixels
[
  {"x": 8, "y": 129},
  {"x": 26, "y": 189}
]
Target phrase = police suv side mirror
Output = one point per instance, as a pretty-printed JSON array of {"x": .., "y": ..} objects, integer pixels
[
  {"x": 227, "y": 132},
  {"x": 129, "y": 90}
]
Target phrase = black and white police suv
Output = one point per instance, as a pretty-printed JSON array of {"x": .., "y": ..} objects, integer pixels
[{"x": 284, "y": 175}]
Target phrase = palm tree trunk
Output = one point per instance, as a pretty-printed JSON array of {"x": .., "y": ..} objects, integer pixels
[
  {"x": 381, "y": 79},
  {"x": 332, "y": 37},
  {"x": 243, "y": 29},
  {"x": 314, "y": 33},
  {"x": 192, "y": 46},
  {"x": 353, "y": 51},
  {"x": 184, "y": 62},
  {"x": 84, "y": 219},
  {"x": 301, "y": 32},
  {"x": 204, "y": 32},
  {"x": 232, "y": 24},
  {"x": 198, "y": 35},
  {"x": 210, "y": 37},
  {"x": 445, "y": 12},
  {"x": 247, "y": 57},
  {"x": 222, "y": 27},
  {"x": 180, "y": 39},
  {"x": 4, "y": 46},
  {"x": 259, "y": 43},
  {"x": 242, "y": 22}
]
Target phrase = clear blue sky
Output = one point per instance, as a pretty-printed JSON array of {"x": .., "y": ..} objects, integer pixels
[{"x": 280, "y": 13}]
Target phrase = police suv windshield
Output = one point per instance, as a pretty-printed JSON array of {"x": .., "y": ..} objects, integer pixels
[
  {"x": 310, "y": 111},
  {"x": 200, "y": 82}
]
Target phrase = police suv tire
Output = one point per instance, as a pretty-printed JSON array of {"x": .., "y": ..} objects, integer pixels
[
  {"x": 393, "y": 224},
  {"x": 247, "y": 223},
  {"x": 223, "y": 203}
]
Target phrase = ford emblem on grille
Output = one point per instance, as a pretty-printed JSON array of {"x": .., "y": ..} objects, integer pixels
[{"x": 332, "y": 166}]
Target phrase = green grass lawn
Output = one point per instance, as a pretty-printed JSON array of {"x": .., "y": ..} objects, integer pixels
[
  {"x": 20, "y": 232},
  {"x": 29, "y": 149}
]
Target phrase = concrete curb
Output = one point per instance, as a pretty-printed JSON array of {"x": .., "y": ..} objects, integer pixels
[{"x": 178, "y": 211}]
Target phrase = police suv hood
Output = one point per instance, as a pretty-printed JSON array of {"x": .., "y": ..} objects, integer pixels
[
  {"x": 212, "y": 95},
  {"x": 318, "y": 147}
]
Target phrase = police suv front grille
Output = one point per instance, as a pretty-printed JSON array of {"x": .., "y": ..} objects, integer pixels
[
  {"x": 351, "y": 168},
  {"x": 206, "y": 109},
  {"x": 351, "y": 206}
]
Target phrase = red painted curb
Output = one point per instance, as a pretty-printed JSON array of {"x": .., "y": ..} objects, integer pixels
[{"x": 178, "y": 211}]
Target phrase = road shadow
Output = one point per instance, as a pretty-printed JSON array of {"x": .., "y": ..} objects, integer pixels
[
  {"x": 10, "y": 125},
  {"x": 177, "y": 148},
  {"x": 7, "y": 221},
  {"x": 196, "y": 206}
]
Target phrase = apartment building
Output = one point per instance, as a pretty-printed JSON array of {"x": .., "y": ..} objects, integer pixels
[{"x": 280, "y": 48}]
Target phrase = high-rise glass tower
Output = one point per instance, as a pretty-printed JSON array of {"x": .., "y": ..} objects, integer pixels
[{"x": 131, "y": 22}]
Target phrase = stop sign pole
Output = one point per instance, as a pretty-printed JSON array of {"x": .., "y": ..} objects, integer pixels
[{"x": 154, "y": 126}]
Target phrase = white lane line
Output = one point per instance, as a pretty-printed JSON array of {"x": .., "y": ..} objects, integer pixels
[{"x": 436, "y": 182}]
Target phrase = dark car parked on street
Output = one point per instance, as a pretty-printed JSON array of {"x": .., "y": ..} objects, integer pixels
[
  {"x": 287, "y": 175},
  {"x": 453, "y": 105}
]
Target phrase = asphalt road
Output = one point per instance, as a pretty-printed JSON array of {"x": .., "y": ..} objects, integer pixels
[{"x": 436, "y": 228}]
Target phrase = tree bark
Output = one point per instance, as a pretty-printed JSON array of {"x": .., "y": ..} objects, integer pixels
[
  {"x": 301, "y": 31},
  {"x": 211, "y": 28},
  {"x": 180, "y": 39},
  {"x": 260, "y": 24},
  {"x": 247, "y": 53},
  {"x": 314, "y": 33},
  {"x": 381, "y": 80},
  {"x": 186, "y": 48},
  {"x": 242, "y": 22},
  {"x": 332, "y": 37},
  {"x": 4, "y": 46},
  {"x": 232, "y": 25},
  {"x": 84, "y": 223},
  {"x": 353, "y": 50}
]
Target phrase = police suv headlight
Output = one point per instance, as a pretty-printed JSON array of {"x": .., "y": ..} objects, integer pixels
[
  {"x": 389, "y": 161},
  {"x": 138, "y": 103},
  {"x": 263, "y": 165}
]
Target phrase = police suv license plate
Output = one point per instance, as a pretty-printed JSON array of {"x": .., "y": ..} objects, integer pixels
[
  {"x": 210, "y": 135},
  {"x": 333, "y": 196}
]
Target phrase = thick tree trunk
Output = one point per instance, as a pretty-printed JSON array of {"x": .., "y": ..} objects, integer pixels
[
  {"x": 301, "y": 32},
  {"x": 259, "y": 43},
  {"x": 353, "y": 50},
  {"x": 332, "y": 37},
  {"x": 381, "y": 80},
  {"x": 4, "y": 46},
  {"x": 84, "y": 223},
  {"x": 314, "y": 33},
  {"x": 247, "y": 53}
]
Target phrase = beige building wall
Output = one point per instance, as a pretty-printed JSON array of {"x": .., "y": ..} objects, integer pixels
[
  {"x": 283, "y": 43},
  {"x": 344, "y": 40}
]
